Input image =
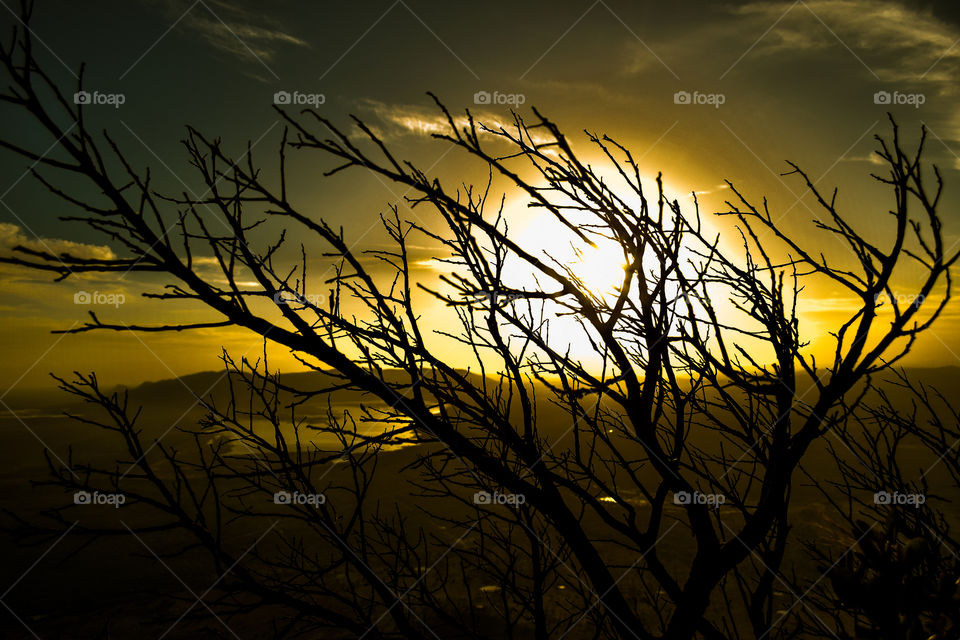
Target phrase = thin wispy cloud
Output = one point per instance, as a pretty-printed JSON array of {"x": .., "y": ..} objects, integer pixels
[
  {"x": 405, "y": 119},
  {"x": 899, "y": 42},
  {"x": 232, "y": 28}
]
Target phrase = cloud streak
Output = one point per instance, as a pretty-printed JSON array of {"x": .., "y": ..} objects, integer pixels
[
  {"x": 403, "y": 119},
  {"x": 229, "y": 27},
  {"x": 899, "y": 43},
  {"x": 12, "y": 235}
]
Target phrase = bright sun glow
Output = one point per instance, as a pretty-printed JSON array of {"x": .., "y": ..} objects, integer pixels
[{"x": 601, "y": 269}]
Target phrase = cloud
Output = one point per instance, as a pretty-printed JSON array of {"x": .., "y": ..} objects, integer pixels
[
  {"x": 245, "y": 33},
  {"x": 895, "y": 46},
  {"x": 830, "y": 305},
  {"x": 403, "y": 119},
  {"x": 434, "y": 264},
  {"x": 33, "y": 295},
  {"x": 12, "y": 235},
  {"x": 871, "y": 158},
  {"x": 898, "y": 43},
  {"x": 411, "y": 119}
]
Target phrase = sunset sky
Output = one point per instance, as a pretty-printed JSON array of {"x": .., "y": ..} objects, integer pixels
[{"x": 777, "y": 80}]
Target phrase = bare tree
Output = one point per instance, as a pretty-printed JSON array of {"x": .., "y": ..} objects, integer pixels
[
  {"x": 898, "y": 574},
  {"x": 692, "y": 405}
]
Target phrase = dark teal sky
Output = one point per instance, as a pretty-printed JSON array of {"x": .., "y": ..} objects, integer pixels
[{"x": 798, "y": 79}]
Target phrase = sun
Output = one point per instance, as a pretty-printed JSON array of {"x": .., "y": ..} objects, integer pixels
[{"x": 601, "y": 269}]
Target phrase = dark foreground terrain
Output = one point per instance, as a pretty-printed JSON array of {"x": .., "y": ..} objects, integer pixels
[{"x": 130, "y": 586}]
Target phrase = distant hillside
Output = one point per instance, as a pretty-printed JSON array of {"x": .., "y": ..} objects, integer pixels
[{"x": 174, "y": 395}]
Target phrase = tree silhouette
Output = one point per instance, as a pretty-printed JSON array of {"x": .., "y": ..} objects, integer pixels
[
  {"x": 692, "y": 428},
  {"x": 900, "y": 578}
]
